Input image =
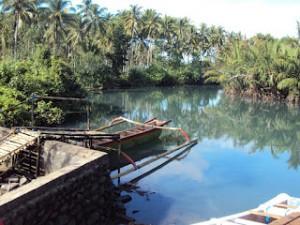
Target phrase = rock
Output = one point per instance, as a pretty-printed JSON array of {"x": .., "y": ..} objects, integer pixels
[
  {"x": 135, "y": 211},
  {"x": 125, "y": 199}
]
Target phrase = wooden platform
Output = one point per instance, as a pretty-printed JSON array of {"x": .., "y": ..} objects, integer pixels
[{"x": 16, "y": 141}]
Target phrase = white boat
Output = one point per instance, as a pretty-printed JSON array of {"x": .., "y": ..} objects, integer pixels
[{"x": 281, "y": 210}]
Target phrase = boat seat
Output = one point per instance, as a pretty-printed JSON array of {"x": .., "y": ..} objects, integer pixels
[
  {"x": 286, "y": 206},
  {"x": 274, "y": 210}
]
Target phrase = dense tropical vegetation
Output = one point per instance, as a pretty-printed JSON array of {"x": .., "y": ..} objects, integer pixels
[
  {"x": 259, "y": 67},
  {"x": 51, "y": 47},
  {"x": 48, "y": 46}
]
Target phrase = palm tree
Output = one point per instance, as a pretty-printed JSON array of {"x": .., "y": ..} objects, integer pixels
[
  {"x": 4, "y": 32},
  {"x": 183, "y": 34},
  {"x": 168, "y": 25},
  {"x": 150, "y": 30},
  {"x": 94, "y": 17},
  {"x": 59, "y": 19},
  {"x": 22, "y": 11},
  {"x": 132, "y": 18}
]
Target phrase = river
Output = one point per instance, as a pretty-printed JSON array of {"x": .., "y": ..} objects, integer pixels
[{"x": 246, "y": 153}]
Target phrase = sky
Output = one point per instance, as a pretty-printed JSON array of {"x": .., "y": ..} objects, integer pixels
[{"x": 277, "y": 17}]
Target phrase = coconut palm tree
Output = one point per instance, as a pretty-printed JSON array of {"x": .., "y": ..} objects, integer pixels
[
  {"x": 23, "y": 11},
  {"x": 94, "y": 18},
  {"x": 168, "y": 26},
  {"x": 150, "y": 31},
  {"x": 132, "y": 19},
  {"x": 59, "y": 18},
  {"x": 4, "y": 33}
]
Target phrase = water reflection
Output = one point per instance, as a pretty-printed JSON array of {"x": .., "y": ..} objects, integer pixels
[
  {"x": 273, "y": 127},
  {"x": 247, "y": 152},
  {"x": 207, "y": 113}
]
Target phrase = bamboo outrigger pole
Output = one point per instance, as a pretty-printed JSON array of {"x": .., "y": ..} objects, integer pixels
[{"x": 143, "y": 164}]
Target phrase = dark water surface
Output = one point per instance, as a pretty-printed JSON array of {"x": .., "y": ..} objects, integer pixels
[{"x": 247, "y": 153}]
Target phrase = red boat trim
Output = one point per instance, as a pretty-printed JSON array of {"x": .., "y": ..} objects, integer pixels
[{"x": 129, "y": 159}]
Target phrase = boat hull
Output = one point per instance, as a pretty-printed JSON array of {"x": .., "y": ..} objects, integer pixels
[
  {"x": 135, "y": 141},
  {"x": 271, "y": 212},
  {"x": 133, "y": 137}
]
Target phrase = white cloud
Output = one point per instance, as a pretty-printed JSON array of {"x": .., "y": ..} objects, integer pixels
[{"x": 277, "y": 17}]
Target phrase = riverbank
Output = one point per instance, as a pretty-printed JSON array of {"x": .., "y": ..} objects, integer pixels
[
  {"x": 268, "y": 97},
  {"x": 74, "y": 187}
]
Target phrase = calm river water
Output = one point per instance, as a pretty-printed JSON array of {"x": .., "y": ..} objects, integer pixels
[{"x": 246, "y": 153}]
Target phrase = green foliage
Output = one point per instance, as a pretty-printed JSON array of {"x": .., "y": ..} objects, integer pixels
[
  {"x": 53, "y": 48},
  {"x": 288, "y": 83},
  {"x": 138, "y": 77},
  {"x": 47, "y": 113},
  {"x": 43, "y": 75},
  {"x": 261, "y": 65},
  {"x": 91, "y": 72},
  {"x": 11, "y": 107},
  {"x": 118, "y": 56}
]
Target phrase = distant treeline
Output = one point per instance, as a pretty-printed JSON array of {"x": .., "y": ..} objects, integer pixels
[{"x": 51, "y": 47}]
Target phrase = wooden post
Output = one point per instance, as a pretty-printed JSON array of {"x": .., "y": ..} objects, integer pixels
[
  {"x": 30, "y": 162},
  {"x": 88, "y": 122},
  {"x": 119, "y": 160},
  {"x": 38, "y": 157},
  {"x": 32, "y": 112}
]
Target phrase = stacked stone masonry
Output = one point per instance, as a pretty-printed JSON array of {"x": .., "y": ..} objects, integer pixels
[{"x": 78, "y": 194}]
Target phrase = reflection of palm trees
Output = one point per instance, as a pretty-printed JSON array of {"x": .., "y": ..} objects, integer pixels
[
  {"x": 261, "y": 126},
  {"x": 182, "y": 105}
]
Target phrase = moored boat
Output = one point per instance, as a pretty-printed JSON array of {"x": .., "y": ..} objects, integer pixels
[
  {"x": 281, "y": 210},
  {"x": 139, "y": 134}
]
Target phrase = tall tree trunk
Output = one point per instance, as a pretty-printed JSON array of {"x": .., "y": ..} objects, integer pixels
[
  {"x": 3, "y": 45},
  {"x": 16, "y": 29}
]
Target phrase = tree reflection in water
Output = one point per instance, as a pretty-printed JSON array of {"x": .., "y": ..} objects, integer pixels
[{"x": 205, "y": 113}]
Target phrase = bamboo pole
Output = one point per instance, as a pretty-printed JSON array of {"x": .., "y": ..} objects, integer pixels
[
  {"x": 149, "y": 125},
  {"x": 185, "y": 145},
  {"x": 51, "y": 128},
  {"x": 109, "y": 126},
  {"x": 185, "y": 150},
  {"x": 62, "y": 98}
]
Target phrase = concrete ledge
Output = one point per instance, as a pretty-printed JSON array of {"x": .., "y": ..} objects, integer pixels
[{"x": 72, "y": 161}]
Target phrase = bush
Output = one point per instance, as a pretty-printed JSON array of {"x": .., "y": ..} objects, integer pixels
[
  {"x": 12, "y": 109},
  {"x": 138, "y": 77},
  {"x": 43, "y": 75}
]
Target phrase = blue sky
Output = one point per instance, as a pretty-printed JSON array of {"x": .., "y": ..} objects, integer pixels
[{"x": 277, "y": 17}]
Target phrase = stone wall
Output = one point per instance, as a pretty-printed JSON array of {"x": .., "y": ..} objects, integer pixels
[{"x": 76, "y": 189}]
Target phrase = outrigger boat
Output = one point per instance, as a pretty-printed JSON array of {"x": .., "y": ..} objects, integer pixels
[
  {"x": 139, "y": 134},
  {"x": 281, "y": 210}
]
